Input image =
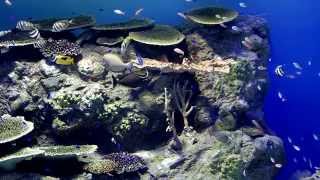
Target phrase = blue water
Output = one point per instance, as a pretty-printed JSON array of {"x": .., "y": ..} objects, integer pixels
[{"x": 294, "y": 36}]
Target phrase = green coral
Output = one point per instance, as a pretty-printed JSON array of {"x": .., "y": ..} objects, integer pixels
[
  {"x": 12, "y": 128},
  {"x": 123, "y": 119},
  {"x": 232, "y": 83},
  {"x": 79, "y": 97},
  {"x": 228, "y": 167},
  {"x": 130, "y": 122},
  {"x": 64, "y": 101}
]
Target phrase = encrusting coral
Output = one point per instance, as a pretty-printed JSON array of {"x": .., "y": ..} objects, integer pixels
[
  {"x": 68, "y": 151},
  {"x": 182, "y": 98}
]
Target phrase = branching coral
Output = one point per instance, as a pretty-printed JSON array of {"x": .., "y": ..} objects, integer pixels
[
  {"x": 182, "y": 98},
  {"x": 170, "y": 118}
]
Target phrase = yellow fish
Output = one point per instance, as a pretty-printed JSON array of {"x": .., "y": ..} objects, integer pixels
[{"x": 64, "y": 60}]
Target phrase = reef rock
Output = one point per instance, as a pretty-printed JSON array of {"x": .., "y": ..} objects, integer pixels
[{"x": 226, "y": 155}]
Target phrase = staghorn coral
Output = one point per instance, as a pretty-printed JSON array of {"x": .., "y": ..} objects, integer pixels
[
  {"x": 12, "y": 128},
  {"x": 182, "y": 97},
  {"x": 176, "y": 143}
]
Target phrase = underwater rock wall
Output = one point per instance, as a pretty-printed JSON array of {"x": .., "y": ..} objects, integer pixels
[{"x": 184, "y": 122}]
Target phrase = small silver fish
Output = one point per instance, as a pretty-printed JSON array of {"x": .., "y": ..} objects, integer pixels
[
  {"x": 244, "y": 173},
  {"x": 272, "y": 160},
  {"x": 113, "y": 140},
  {"x": 289, "y": 140},
  {"x": 315, "y": 137},
  {"x": 242, "y": 4},
  {"x": 278, "y": 165},
  {"x": 290, "y": 76},
  {"x": 181, "y": 15},
  {"x": 304, "y": 159},
  {"x": 223, "y": 25},
  {"x": 262, "y": 68},
  {"x": 218, "y": 16},
  {"x": 310, "y": 163},
  {"x": 119, "y": 12},
  {"x": 178, "y": 51},
  {"x": 297, "y": 65},
  {"x": 309, "y": 63},
  {"x": 297, "y": 148},
  {"x": 236, "y": 28},
  {"x": 138, "y": 12},
  {"x": 259, "y": 87},
  {"x": 8, "y": 2},
  {"x": 281, "y": 97},
  {"x": 295, "y": 160}
]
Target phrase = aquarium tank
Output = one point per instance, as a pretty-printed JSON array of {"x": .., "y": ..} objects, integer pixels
[{"x": 159, "y": 89}]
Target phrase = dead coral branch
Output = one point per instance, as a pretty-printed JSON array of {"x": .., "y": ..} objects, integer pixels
[
  {"x": 182, "y": 98},
  {"x": 175, "y": 144}
]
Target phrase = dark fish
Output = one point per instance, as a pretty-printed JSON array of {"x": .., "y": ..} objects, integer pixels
[{"x": 101, "y": 9}]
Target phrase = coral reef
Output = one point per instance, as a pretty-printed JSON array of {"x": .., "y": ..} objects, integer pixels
[{"x": 193, "y": 116}]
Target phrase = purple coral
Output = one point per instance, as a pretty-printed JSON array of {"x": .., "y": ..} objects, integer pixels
[
  {"x": 60, "y": 47},
  {"x": 127, "y": 162}
]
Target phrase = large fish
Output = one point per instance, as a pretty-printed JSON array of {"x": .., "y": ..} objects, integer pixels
[
  {"x": 25, "y": 26},
  {"x": 115, "y": 63},
  {"x": 61, "y": 25}
]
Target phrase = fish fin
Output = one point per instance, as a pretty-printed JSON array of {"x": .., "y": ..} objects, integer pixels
[{"x": 125, "y": 45}]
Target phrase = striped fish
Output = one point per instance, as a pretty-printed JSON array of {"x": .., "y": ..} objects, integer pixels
[
  {"x": 40, "y": 43},
  {"x": 34, "y": 34},
  {"x": 25, "y": 26},
  {"x": 60, "y": 25}
]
